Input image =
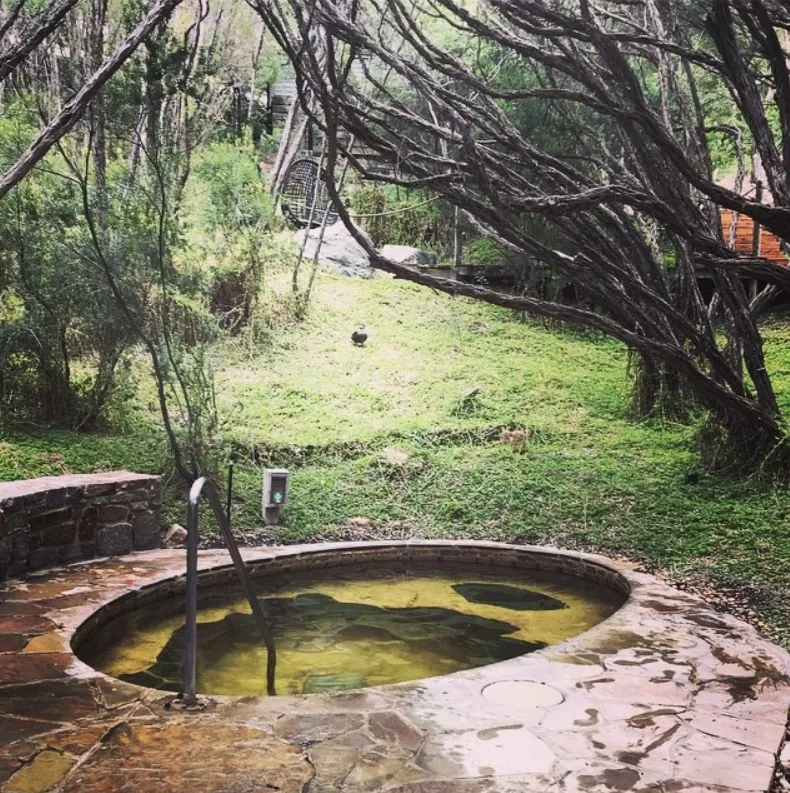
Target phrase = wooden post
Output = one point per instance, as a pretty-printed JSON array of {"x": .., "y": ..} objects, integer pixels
[
  {"x": 758, "y": 195},
  {"x": 457, "y": 248},
  {"x": 269, "y": 110}
]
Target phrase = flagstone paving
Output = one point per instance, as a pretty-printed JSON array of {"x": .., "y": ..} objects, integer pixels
[{"x": 666, "y": 695}]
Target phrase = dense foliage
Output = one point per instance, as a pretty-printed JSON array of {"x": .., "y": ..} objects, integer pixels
[{"x": 141, "y": 230}]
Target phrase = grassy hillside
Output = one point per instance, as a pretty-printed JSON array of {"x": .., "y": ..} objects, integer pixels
[
  {"x": 424, "y": 354},
  {"x": 584, "y": 475}
]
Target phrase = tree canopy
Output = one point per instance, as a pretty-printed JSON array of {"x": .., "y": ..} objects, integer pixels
[{"x": 604, "y": 120}]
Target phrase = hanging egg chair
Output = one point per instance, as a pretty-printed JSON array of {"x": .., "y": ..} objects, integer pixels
[{"x": 304, "y": 184}]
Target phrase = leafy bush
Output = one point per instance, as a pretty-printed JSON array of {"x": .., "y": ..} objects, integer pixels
[
  {"x": 62, "y": 334},
  {"x": 419, "y": 224},
  {"x": 232, "y": 216}
]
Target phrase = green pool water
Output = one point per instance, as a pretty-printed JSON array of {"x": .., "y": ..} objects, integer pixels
[{"x": 347, "y": 630}]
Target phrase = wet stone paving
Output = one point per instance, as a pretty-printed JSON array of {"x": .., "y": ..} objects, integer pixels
[{"x": 666, "y": 695}]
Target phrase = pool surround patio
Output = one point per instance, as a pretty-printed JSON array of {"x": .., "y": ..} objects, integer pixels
[{"x": 665, "y": 695}]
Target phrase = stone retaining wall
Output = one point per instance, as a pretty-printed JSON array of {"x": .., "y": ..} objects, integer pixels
[{"x": 60, "y": 519}]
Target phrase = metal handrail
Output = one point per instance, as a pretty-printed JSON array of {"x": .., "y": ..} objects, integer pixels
[{"x": 199, "y": 487}]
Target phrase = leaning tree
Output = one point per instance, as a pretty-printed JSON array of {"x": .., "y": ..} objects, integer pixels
[{"x": 457, "y": 98}]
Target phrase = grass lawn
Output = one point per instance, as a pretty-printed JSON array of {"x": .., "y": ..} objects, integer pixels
[{"x": 585, "y": 475}]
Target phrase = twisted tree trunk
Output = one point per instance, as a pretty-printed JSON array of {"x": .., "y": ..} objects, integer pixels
[{"x": 630, "y": 192}]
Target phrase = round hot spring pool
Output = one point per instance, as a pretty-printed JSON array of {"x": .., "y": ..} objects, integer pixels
[{"x": 354, "y": 619}]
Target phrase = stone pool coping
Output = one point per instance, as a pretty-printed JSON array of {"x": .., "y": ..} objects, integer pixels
[{"x": 665, "y": 695}]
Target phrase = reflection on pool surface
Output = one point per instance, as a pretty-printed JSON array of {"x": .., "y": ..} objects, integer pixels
[{"x": 350, "y": 630}]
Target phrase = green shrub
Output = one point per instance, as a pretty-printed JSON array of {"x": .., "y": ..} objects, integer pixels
[{"x": 417, "y": 225}]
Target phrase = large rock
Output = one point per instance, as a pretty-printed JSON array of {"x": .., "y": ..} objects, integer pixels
[
  {"x": 405, "y": 254},
  {"x": 339, "y": 250},
  {"x": 176, "y": 536},
  {"x": 394, "y": 458}
]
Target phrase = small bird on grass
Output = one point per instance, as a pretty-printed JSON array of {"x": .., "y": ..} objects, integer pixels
[{"x": 359, "y": 337}]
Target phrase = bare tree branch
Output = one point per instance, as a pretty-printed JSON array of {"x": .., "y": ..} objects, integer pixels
[
  {"x": 631, "y": 193},
  {"x": 73, "y": 110}
]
